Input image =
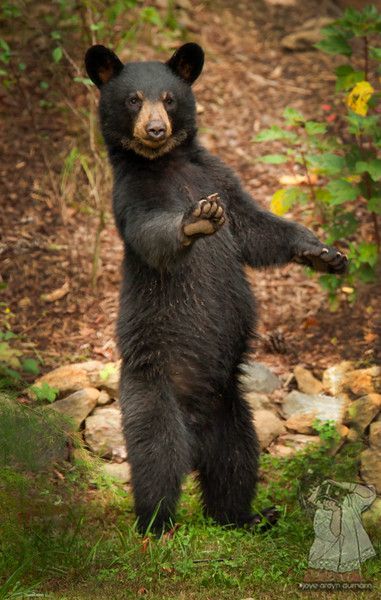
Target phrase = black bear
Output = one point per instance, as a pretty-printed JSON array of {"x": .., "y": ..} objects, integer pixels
[{"x": 186, "y": 310}]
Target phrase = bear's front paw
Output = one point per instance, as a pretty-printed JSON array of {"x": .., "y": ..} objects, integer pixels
[
  {"x": 323, "y": 258},
  {"x": 205, "y": 218}
]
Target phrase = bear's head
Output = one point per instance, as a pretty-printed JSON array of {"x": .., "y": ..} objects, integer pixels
[{"x": 147, "y": 107}]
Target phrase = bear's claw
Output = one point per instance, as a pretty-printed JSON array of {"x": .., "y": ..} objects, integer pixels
[{"x": 207, "y": 217}]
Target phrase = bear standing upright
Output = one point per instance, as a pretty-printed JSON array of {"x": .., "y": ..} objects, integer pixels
[{"x": 186, "y": 310}]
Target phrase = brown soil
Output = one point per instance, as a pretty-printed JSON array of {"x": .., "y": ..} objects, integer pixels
[{"x": 248, "y": 80}]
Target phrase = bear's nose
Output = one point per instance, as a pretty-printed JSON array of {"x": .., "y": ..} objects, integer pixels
[{"x": 156, "y": 130}]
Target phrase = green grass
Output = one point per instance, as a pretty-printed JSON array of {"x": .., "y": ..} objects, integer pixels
[{"x": 68, "y": 532}]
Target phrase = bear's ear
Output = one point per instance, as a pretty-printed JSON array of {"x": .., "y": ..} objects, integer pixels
[
  {"x": 102, "y": 64},
  {"x": 187, "y": 62}
]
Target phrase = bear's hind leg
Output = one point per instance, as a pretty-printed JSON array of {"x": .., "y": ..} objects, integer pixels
[
  {"x": 228, "y": 467},
  {"x": 158, "y": 450}
]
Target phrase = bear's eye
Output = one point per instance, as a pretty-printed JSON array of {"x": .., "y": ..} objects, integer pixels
[
  {"x": 134, "y": 101},
  {"x": 169, "y": 100}
]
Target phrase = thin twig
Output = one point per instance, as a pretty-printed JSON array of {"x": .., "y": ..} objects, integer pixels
[{"x": 366, "y": 58}]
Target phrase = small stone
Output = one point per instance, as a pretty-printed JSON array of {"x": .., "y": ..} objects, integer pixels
[
  {"x": 375, "y": 436},
  {"x": 301, "y": 423},
  {"x": 103, "y": 398},
  {"x": 361, "y": 412},
  {"x": 307, "y": 383},
  {"x": 257, "y": 401},
  {"x": 361, "y": 381},
  {"x": 78, "y": 405},
  {"x": 371, "y": 468},
  {"x": 69, "y": 378},
  {"x": 325, "y": 408},
  {"x": 104, "y": 435},
  {"x": 108, "y": 378},
  {"x": 268, "y": 426},
  {"x": 258, "y": 378},
  {"x": 298, "y": 441},
  {"x": 342, "y": 430},
  {"x": 281, "y": 450},
  {"x": 334, "y": 376},
  {"x": 353, "y": 435},
  {"x": 371, "y": 519},
  {"x": 120, "y": 471}
]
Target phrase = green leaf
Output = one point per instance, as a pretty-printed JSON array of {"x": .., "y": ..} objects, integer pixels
[
  {"x": 9, "y": 355},
  {"x": 149, "y": 14},
  {"x": 5, "y": 51},
  {"x": 107, "y": 371},
  {"x": 57, "y": 54},
  {"x": 45, "y": 392},
  {"x": 373, "y": 167},
  {"x": 375, "y": 53},
  {"x": 347, "y": 77},
  {"x": 343, "y": 225},
  {"x": 30, "y": 365},
  {"x": 275, "y": 133},
  {"x": 363, "y": 125},
  {"x": 335, "y": 44},
  {"x": 85, "y": 80},
  {"x": 293, "y": 116},
  {"x": 285, "y": 198},
  {"x": 368, "y": 253},
  {"x": 374, "y": 205},
  {"x": 8, "y": 335},
  {"x": 342, "y": 191},
  {"x": 315, "y": 128},
  {"x": 274, "y": 159},
  {"x": 327, "y": 163}
]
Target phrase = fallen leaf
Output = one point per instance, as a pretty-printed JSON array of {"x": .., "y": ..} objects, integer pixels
[
  {"x": 370, "y": 337},
  {"x": 297, "y": 179},
  {"x": 310, "y": 322},
  {"x": 56, "y": 294}
]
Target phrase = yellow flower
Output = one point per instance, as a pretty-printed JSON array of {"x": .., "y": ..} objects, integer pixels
[
  {"x": 357, "y": 100},
  {"x": 279, "y": 204}
]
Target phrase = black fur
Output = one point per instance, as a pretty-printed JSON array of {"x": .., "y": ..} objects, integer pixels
[{"x": 186, "y": 311}]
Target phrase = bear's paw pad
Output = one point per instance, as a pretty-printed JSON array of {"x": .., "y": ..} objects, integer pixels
[{"x": 206, "y": 217}]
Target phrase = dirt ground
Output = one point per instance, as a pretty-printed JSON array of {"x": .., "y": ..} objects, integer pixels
[{"x": 247, "y": 81}]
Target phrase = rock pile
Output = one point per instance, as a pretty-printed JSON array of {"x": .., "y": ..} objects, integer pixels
[{"x": 285, "y": 420}]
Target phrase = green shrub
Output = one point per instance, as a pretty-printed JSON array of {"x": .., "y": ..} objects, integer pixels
[{"x": 338, "y": 157}]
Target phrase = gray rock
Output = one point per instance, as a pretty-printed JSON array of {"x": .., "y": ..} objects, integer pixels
[
  {"x": 258, "y": 378},
  {"x": 257, "y": 401},
  {"x": 362, "y": 381},
  {"x": 120, "y": 471},
  {"x": 323, "y": 407},
  {"x": 104, "y": 435},
  {"x": 371, "y": 519},
  {"x": 268, "y": 427},
  {"x": 78, "y": 405},
  {"x": 301, "y": 423},
  {"x": 362, "y": 411},
  {"x": 375, "y": 436},
  {"x": 298, "y": 441},
  {"x": 104, "y": 398},
  {"x": 333, "y": 377},
  {"x": 71, "y": 378},
  {"x": 371, "y": 468},
  {"x": 307, "y": 383},
  {"x": 108, "y": 378}
]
